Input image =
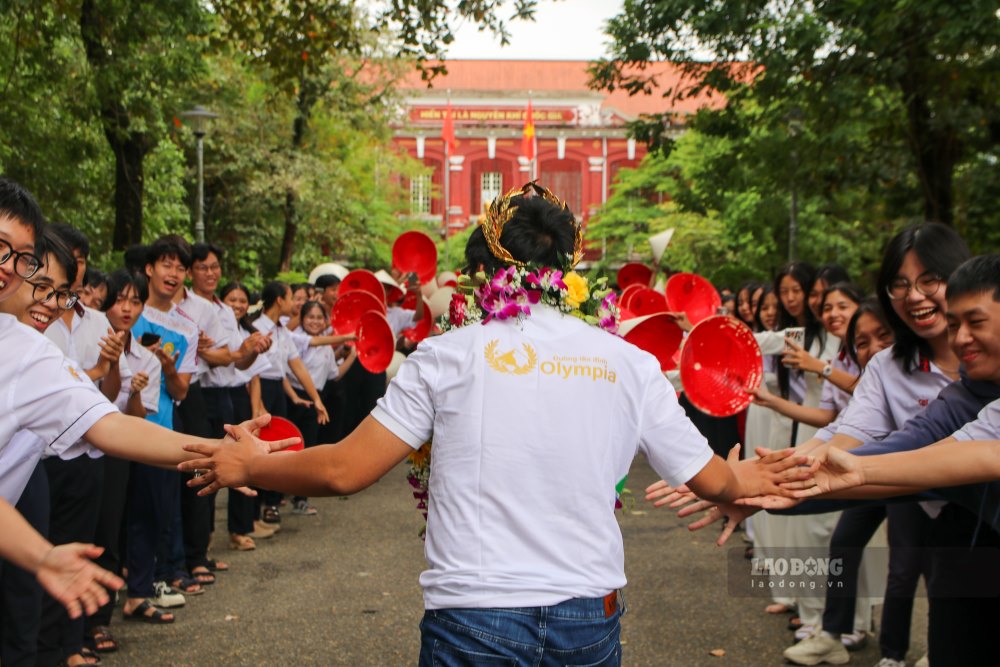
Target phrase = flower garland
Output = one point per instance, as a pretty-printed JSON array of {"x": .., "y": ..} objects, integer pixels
[{"x": 511, "y": 293}]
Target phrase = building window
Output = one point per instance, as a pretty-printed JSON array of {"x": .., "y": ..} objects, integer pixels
[
  {"x": 490, "y": 186},
  {"x": 420, "y": 194}
]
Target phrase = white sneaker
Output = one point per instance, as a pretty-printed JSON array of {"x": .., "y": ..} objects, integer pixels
[
  {"x": 817, "y": 648},
  {"x": 855, "y": 641},
  {"x": 804, "y": 632},
  {"x": 166, "y": 597},
  {"x": 889, "y": 662},
  {"x": 923, "y": 662}
]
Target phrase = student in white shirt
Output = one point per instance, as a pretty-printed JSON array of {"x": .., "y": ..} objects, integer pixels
[
  {"x": 506, "y": 444},
  {"x": 221, "y": 380},
  {"x": 60, "y": 410},
  {"x": 126, "y": 295},
  {"x": 318, "y": 355},
  {"x": 284, "y": 359},
  {"x": 245, "y": 398}
]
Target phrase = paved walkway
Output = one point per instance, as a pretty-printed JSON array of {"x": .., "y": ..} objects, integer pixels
[{"x": 341, "y": 589}]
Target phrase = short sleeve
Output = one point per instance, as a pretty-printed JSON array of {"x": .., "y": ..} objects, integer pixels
[
  {"x": 214, "y": 329},
  {"x": 867, "y": 416},
  {"x": 407, "y": 409},
  {"x": 60, "y": 408},
  {"x": 189, "y": 361},
  {"x": 674, "y": 447},
  {"x": 399, "y": 319},
  {"x": 985, "y": 427}
]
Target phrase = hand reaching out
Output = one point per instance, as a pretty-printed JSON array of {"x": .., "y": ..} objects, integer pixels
[
  {"x": 840, "y": 470},
  {"x": 662, "y": 494},
  {"x": 795, "y": 356},
  {"x": 322, "y": 416},
  {"x": 228, "y": 464},
  {"x": 68, "y": 575}
]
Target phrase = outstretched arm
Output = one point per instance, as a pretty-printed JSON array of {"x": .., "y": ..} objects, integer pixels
[
  {"x": 945, "y": 463},
  {"x": 354, "y": 463},
  {"x": 65, "y": 572}
]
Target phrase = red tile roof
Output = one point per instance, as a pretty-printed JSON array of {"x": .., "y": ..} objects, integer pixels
[{"x": 546, "y": 78}]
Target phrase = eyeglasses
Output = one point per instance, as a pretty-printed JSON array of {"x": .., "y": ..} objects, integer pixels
[
  {"x": 205, "y": 268},
  {"x": 25, "y": 264},
  {"x": 42, "y": 293},
  {"x": 927, "y": 285}
]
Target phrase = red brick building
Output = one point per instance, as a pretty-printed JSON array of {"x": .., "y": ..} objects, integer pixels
[{"x": 581, "y": 140}]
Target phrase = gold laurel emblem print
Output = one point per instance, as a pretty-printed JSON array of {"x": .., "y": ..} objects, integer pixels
[
  {"x": 168, "y": 347},
  {"x": 507, "y": 362}
]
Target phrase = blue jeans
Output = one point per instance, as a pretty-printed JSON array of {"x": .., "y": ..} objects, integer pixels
[{"x": 574, "y": 633}]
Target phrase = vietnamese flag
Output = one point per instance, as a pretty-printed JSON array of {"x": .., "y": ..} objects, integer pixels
[
  {"x": 528, "y": 135},
  {"x": 448, "y": 130}
]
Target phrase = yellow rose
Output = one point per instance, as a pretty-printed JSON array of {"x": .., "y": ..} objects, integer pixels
[{"x": 577, "y": 289}]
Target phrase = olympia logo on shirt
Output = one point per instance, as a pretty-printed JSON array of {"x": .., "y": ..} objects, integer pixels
[{"x": 524, "y": 360}]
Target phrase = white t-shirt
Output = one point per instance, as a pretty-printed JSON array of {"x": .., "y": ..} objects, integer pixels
[
  {"x": 43, "y": 391},
  {"x": 886, "y": 397},
  {"x": 142, "y": 360},
  {"x": 283, "y": 348},
  {"x": 205, "y": 316},
  {"x": 833, "y": 397},
  {"x": 219, "y": 376},
  {"x": 534, "y": 424},
  {"x": 399, "y": 319},
  {"x": 985, "y": 427},
  {"x": 80, "y": 342},
  {"x": 320, "y": 361}
]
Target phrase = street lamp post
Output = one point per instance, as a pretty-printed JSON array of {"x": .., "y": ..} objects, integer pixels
[{"x": 199, "y": 117}]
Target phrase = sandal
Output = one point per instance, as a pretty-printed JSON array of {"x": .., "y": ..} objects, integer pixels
[
  {"x": 89, "y": 656},
  {"x": 104, "y": 641},
  {"x": 240, "y": 543},
  {"x": 202, "y": 575},
  {"x": 218, "y": 565},
  {"x": 141, "y": 614},
  {"x": 86, "y": 657},
  {"x": 795, "y": 623},
  {"x": 187, "y": 586}
]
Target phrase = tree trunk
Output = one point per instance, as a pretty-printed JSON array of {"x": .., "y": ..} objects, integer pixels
[
  {"x": 129, "y": 147},
  {"x": 129, "y": 183},
  {"x": 936, "y": 148},
  {"x": 304, "y": 104}
]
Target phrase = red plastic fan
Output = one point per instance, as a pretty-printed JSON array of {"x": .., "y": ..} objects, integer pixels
[
  {"x": 645, "y": 301},
  {"x": 375, "y": 342},
  {"x": 415, "y": 252},
  {"x": 350, "y": 307},
  {"x": 279, "y": 429},
  {"x": 421, "y": 329},
  {"x": 657, "y": 334},
  {"x": 692, "y": 294},
  {"x": 362, "y": 279},
  {"x": 720, "y": 365},
  {"x": 634, "y": 274}
]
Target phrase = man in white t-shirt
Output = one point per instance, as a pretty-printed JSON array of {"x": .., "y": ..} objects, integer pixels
[{"x": 534, "y": 421}]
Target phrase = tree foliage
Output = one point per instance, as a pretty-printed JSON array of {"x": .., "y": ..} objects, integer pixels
[{"x": 894, "y": 103}]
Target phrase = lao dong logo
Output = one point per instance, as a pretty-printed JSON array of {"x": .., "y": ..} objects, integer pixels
[{"x": 796, "y": 567}]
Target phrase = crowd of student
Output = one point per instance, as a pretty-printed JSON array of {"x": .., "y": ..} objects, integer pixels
[
  {"x": 897, "y": 371},
  {"x": 894, "y": 371},
  {"x": 190, "y": 359}
]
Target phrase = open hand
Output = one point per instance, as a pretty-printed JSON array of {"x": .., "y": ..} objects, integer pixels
[
  {"x": 662, "y": 494},
  {"x": 765, "y": 475},
  {"x": 68, "y": 575},
  {"x": 228, "y": 464},
  {"x": 840, "y": 470},
  {"x": 733, "y": 514},
  {"x": 168, "y": 363}
]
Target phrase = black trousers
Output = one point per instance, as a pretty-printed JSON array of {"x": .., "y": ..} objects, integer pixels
[
  {"x": 721, "y": 432},
  {"x": 241, "y": 508},
  {"x": 908, "y": 530},
  {"x": 333, "y": 399},
  {"x": 75, "y": 488},
  {"x": 854, "y": 530},
  {"x": 196, "y": 511},
  {"x": 272, "y": 395},
  {"x": 305, "y": 419},
  {"x": 152, "y": 501},
  {"x": 964, "y": 589},
  {"x": 20, "y": 592},
  {"x": 109, "y": 531}
]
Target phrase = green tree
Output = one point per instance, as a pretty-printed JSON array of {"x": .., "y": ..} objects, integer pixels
[{"x": 935, "y": 66}]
